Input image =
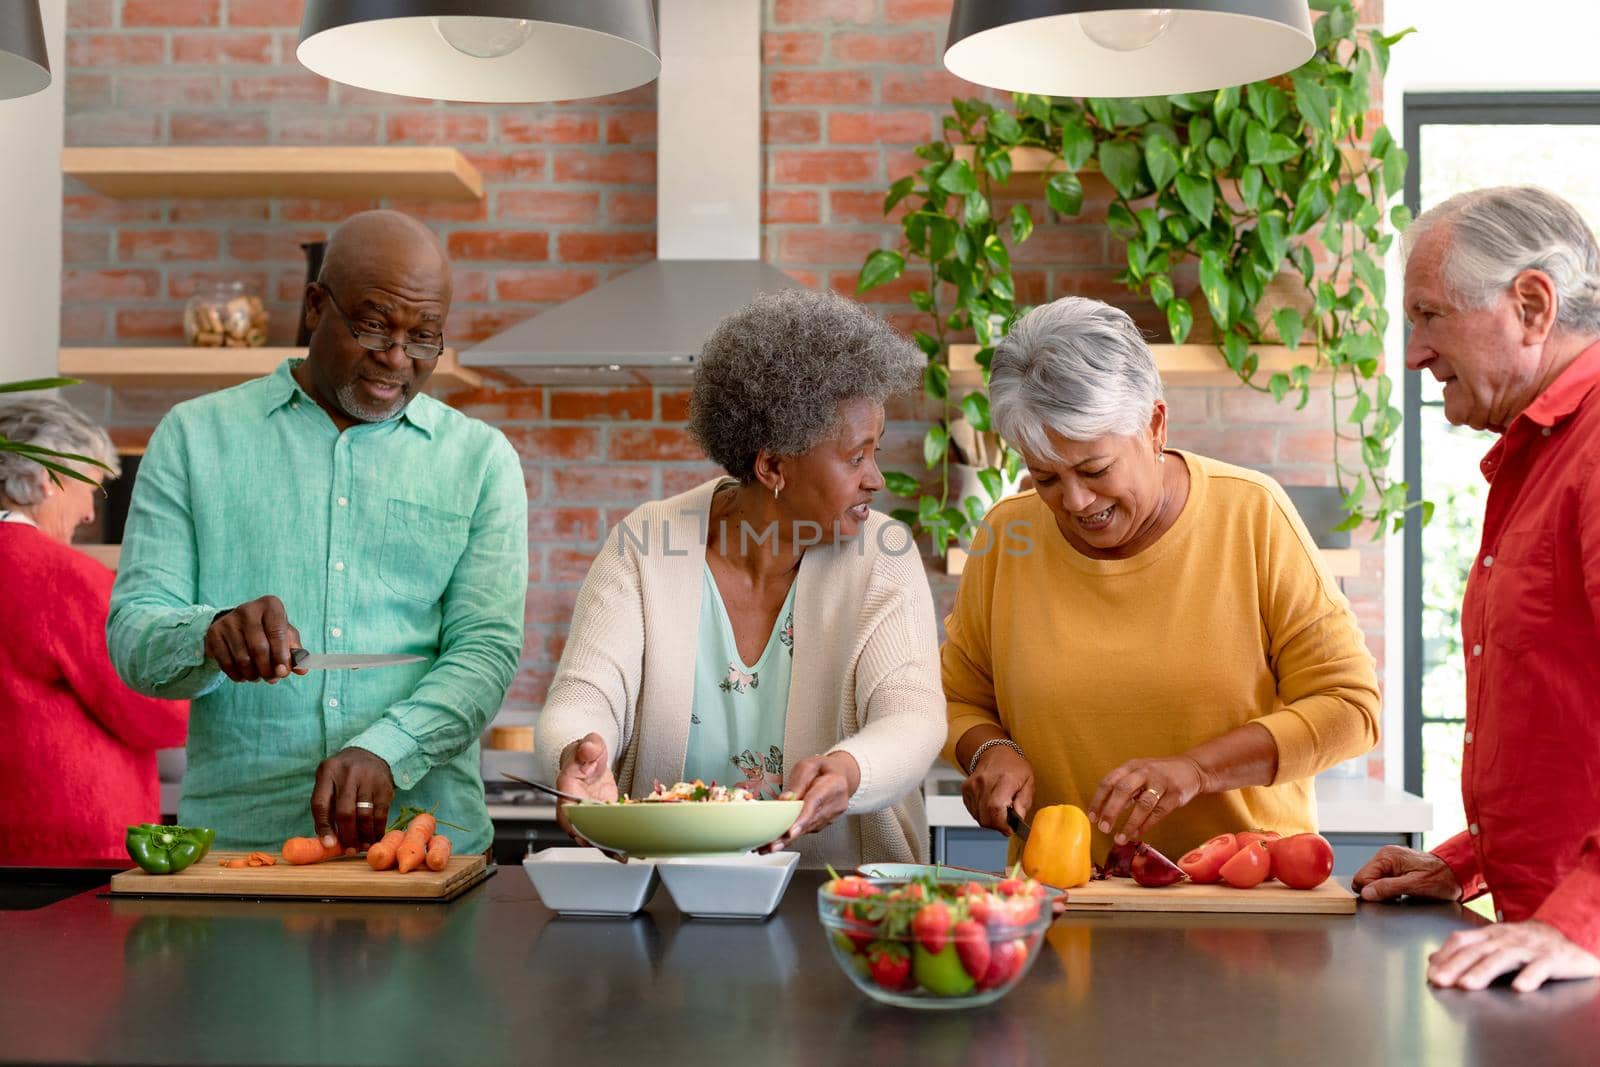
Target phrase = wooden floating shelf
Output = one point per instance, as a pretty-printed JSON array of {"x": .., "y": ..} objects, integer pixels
[
  {"x": 213, "y": 368},
  {"x": 1341, "y": 562},
  {"x": 1179, "y": 365},
  {"x": 359, "y": 173}
]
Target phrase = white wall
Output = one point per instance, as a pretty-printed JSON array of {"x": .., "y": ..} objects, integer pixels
[
  {"x": 1466, "y": 45},
  {"x": 30, "y": 216}
]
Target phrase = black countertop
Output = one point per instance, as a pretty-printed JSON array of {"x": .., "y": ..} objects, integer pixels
[{"x": 494, "y": 978}]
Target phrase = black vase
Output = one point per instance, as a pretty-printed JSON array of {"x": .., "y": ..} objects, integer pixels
[{"x": 313, "y": 251}]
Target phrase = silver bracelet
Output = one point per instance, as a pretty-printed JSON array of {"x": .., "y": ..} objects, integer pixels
[{"x": 972, "y": 764}]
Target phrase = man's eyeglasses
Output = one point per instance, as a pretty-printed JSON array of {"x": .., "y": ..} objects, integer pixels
[{"x": 373, "y": 341}]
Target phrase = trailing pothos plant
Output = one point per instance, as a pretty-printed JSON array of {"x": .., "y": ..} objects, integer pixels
[{"x": 1246, "y": 183}]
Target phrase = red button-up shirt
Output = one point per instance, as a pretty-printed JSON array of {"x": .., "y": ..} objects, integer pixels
[{"x": 1530, "y": 623}]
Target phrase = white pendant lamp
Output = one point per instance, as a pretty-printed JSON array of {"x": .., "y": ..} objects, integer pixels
[
  {"x": 485, "y": 51},
  {"x": 24, "y": 64},
  {"x": 1125, "y": 47}
]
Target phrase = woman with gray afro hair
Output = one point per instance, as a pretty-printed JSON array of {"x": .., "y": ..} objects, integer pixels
[
  {"x": 1157, "y": 641},
  {"x": 768, "y": 630}
]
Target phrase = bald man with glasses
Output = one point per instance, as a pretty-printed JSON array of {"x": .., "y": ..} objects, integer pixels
[{"x": 331, "y": 506}]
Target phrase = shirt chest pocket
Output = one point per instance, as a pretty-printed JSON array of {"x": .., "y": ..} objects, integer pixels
[
  {"x": 421, "y": 546},
  {"x": 1521, "y": 603}
]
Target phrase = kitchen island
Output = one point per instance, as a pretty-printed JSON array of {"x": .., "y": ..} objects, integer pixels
[{"x": 495, "y": 978}]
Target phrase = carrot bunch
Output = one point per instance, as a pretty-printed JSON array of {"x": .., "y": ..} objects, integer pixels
[{"x": 406, "y": 850}]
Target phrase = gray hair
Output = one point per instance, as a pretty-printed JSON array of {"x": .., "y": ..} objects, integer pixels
[
  {"x": 772, "y": 375},
  {"x": 1495, "y": 234},
  {"x": 1077, "y": 366},
  {"x": 48, "y": 422}
]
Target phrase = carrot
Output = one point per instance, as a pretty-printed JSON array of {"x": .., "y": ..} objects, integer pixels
[
  {"x": 438, "y": 852},
  {"x": 380, "y": 857},
  {"x": 303, "y": 850},
  {"x": 414, "y": 846},
  {"x": 236, "y": 863}
]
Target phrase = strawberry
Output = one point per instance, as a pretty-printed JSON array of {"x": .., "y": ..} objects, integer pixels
[
  {"x": 889, "y": 964},
  {"x": 861, "y": 932},
  {"x": 931, "y": 926},
  {"x": 1018, "y": 911},
  {"x": 1012, "y": 887},
  {"x": 850, "y": 886},
  {"x": 1005, "y": 960},
  {"x": 972, "y": 946},
  {"x": 979, "y": 905}
]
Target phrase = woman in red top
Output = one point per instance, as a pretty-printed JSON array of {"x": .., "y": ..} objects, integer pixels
[{"x": 77, "y": 747}]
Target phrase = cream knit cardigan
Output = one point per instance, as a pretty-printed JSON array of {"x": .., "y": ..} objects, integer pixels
[{"x": 865, "y": 677}]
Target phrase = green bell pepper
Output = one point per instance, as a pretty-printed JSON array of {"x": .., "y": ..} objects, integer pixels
[{"x": 167, "y": 849}]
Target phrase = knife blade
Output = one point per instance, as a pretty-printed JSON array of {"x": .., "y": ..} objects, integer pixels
[
  {"x": 317, "y": 661},
  {"x": 1018, "y": 824}
]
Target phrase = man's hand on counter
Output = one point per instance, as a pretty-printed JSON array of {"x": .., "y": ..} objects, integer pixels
[
  {"x": 251, "y": 643},
  {"x": 1471, "y": 959},
  {"x": 350, "y": 801},
  {"x": 1405, "y": 872}
]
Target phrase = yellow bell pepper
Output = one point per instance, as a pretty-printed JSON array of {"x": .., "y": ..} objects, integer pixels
[{"x": 1057, "y": 852}]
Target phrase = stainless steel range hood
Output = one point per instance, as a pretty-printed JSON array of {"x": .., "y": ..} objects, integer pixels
[{"x": 650, "y": 323}]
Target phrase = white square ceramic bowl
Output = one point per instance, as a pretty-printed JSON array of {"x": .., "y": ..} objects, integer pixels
[
  {"x": 583, "y": 881},
  {"x": 728, "y": 887}
]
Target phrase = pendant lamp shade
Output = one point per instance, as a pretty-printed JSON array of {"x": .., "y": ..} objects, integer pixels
[
  {"x": 485, "y": 51},
  {"x": 24, "y": 65},
  {"x": 1125, "y": 47}
]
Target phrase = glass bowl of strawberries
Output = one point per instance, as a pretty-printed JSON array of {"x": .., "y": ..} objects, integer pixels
[{"x": 935, "y": 941}]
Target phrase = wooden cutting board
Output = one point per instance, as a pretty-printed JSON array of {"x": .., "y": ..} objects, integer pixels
[
  {"x": 346, "y": 878},
  {"x": 1123, "y": 894}
]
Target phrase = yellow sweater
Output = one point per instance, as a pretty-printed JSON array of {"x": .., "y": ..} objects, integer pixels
[{"x": 1231, "y": 617}]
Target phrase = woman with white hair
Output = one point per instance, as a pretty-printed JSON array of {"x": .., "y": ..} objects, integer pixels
[
  {"x": 79, "y": 760},
  {"x": 768, "y": 629},
  {"x": 1147, "y": 633}
]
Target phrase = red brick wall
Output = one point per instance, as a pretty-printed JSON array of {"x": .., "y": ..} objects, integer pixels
[{"x": 850, "y": 87}]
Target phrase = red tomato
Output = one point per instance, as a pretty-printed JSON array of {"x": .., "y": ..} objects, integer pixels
[
  {"x": 1249, "y": 866},
  {"x": 1247, "y": 836},
  {"x": 1203, "y": 864},
  {"x": 1303, "y": 861}
]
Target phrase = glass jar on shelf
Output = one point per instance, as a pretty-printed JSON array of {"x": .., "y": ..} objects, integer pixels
[{"x": 225, "y": 315}]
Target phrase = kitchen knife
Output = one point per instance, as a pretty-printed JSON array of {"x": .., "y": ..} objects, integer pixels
[
  {"x": 1018, "y": 824},
  {"x": 315, "y": 661}
]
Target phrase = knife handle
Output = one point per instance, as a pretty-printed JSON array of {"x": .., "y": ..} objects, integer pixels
[{"x": 297, "y": 656}]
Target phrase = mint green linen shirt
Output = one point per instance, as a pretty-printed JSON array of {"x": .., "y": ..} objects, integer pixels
[{"x": 408, "y": 535}]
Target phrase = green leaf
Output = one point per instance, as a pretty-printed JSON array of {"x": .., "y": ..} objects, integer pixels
[
  {"x": 1236, "y": 351},
  {"x": 1290, "y": 325},
  {"x": 976, "y": 208},
  {"x": 1077, "y": 144},
  {"x": 922, "y": 300},
  {"x": 1000, "y": 285},
  {"x": 1219, "y": 154},
  {"x": 1021, "y": 223},
  {"x": 1280, "y": 149},
  {"x": 1359, "y": 411},
  {"x": 901, "y": 484},
  {"x": 1198, "y": 196},
  {"x": 1161, "y": 290},
  {"x": 882, "y": 266},
  {"x": 1256, "y": 142},
  {"x": 1119, "y": 162},
  {"x": 964, "y": 250},
  {"x": 1004, "y": 127},
  {"x": 936, "y": 380},
  {"x": 935, "y": 444},
  {"x": 992, "y": 483},
  {"x": 941, "y": 237},
  {"x": 1250, "y": 187},
  {"x": 1268, "y": 103},
  {"x": 1214, "y": 284},
  {"x": 1272, "y": 233},
  {"x": 34, "y": 384},
  {"x": 975, "y": 406},
  {"x": 1161, "y": 160},
  {"x": 957, "y": 178},
  {"x": 994, "y": 250},
  {"x": 1226, "y": 102},
  {"x": 1400, "y": 217},
  {"x": 1394, "y": 167},
  {"x": 898, "y": 192},
  {"x": 1278, "y": 385},
  {"x": 1064, "y": 193},
  {"x": 1180, "y": 320},
  {"x": 927, "y": 342},
  {"x": 1120, "y": 221},
  {"x": 1370, "y": 273}
]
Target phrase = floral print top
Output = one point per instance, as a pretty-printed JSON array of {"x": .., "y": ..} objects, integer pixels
[{"x": 737, "y": 718}]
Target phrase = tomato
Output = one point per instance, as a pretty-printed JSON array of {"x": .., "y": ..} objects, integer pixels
[
  {"x": 1203, "y": 864},
  {"x": 1303, "y": 861},
  {"x": 1248, "y": 867},
  {"x": 941, "y": 973},
  {"x": 1247, "y": 836}
]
